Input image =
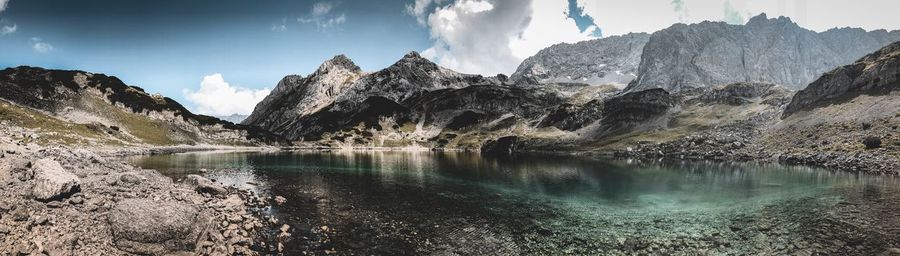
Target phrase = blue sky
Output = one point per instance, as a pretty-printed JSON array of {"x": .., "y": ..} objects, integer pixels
[
  {"x": 166, "y": 46},
  {"x": 220, "y": 57}
]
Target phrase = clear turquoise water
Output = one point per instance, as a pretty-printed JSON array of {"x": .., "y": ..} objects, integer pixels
[{"x": 462, "y": 203}]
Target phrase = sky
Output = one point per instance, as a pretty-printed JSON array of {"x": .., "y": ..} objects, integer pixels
[{"x": 221, "y": 57}]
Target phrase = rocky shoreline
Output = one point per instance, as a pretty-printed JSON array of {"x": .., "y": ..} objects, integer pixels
[{"x": 63, "y": 201}]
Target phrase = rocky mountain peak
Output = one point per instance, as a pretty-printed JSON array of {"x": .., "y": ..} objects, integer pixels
[
  {"x": 764, "y": 50},
  {"x": 412, "y": 55},
  {"x": 338, "y": 62},
  {"x": 413, "y": 60},
  {"x": 762, "y": 20}
]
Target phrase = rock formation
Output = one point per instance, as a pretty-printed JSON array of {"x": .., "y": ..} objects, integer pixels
[
  {"x": 875, "y": 74},
  {"x": 764, "y": 50},
  {"x": 609, "y": 60}
]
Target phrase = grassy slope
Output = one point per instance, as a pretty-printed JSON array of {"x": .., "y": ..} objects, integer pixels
[
  {"x": 55, "y": 131},
  {"x": 840, "y": 128}
]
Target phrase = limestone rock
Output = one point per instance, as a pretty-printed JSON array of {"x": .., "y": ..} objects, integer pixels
[
  {"x": 608, "y": 60},
  {"x": 204, "y": 185},
  {"x": 763, "y": 50},
  {"x": 52, "y": 182},
  {"x": 146, "y": 226}
]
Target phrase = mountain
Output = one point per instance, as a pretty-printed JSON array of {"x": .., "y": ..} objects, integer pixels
[
  {"x": 609, "y": 60},
  {"x": 416, "y": 102},
  {"x": 297, "y": 96},
  {"x": 763, "y": 50},
  {"x": 77, "y": 107}
]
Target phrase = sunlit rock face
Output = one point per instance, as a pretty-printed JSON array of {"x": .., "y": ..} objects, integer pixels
[
  {"x": 610, "y": 60},
  {"x": 763, "y": 50}
]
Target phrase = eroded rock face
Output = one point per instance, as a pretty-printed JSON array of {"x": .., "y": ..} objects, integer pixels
[
  {"x": 608, "y": 60},
  {"x": 571, "y": 117},
  {"x": 145, "y": 226},
  {"x": 738, "y": 94},
  {"x": 764, "y": 50},
  {"x": 875, "y": 74},
  {"x": 636, "y": 107},
  {"x": 51, "y": 181}
]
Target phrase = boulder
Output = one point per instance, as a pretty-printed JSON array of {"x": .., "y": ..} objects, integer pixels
[
  {"x": 145, "y": 226},
  {"x": 52, "y": 182},
  {"x": 500, "y": 147},
  {"x": 204, "y": 185}
]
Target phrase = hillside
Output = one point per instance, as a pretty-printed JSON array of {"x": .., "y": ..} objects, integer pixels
[{"x": 76, "y": 107}]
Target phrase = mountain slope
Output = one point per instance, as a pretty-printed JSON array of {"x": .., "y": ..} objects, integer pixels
[
  {"x": 609, "y": 60},
  {"x": 412, "y": 92},
  {"x": 763, "y": 50},
  {"x": 115, "y": 112}
]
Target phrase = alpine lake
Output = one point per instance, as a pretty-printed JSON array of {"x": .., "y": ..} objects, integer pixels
[{"x": 454, "y": 203}]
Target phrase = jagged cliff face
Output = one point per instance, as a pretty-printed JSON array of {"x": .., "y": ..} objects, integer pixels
[
  {"x": 111, "y": 111},
  {"x": 875, "y": 74},
  {"x": 610, "y": 60},
  {"x": 763, "y": 50}
]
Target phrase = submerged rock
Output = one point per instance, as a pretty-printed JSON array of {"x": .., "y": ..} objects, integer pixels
[{"x": 52, "y": 182}]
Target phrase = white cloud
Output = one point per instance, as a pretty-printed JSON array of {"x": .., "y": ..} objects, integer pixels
[
  {"x": 494, "y": 36},
  {"x": 3, "y": 4},
  {"x": 217, "y": 97},
  {"x": 322, "y": 8},
  {"x": 622, "y": 17},
  {"x": 40, "y": 46},
  {"x": 323, "y": 17},
  {"x": 7, "y": 29}
]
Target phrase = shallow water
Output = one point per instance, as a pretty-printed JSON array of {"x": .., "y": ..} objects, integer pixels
[{"x": 390, "y": 202}]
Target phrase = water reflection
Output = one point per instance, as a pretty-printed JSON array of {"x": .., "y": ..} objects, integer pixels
[
  {"x": 393, "y": 203},
  {"x": 554, "y": 177}
]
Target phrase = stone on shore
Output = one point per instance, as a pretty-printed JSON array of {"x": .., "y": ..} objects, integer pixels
[
  {"x": 52, "y": 182},
  {"x": 145, "y": 226},
  {"x": 204, "y": 185}
]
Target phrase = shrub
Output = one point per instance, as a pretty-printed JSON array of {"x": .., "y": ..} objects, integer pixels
[{"x": 872, "y": 142}]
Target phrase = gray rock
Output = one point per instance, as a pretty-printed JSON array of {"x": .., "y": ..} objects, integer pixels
[
  {"x": 608, "y": 60},
  {"x": 52, "y": 182},
  {"x": 146, "y": 226},
  {"x": 204, "y": 185},
  {"x": 636, "y": 107},
  {"x": 500, "y": 147},
  {"x": 875, "y": 74},
  {"x": 763, "y": 50}
]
